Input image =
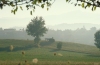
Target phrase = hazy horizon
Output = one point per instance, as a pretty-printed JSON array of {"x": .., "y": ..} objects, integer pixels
[
  {"x": 57, "y": 14},
  {"x": 63, "y": 26}
]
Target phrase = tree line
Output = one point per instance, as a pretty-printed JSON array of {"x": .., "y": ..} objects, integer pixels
[{"x": 80, "y": 35}]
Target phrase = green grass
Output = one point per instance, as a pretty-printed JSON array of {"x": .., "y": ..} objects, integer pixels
[
  {"x": 45, "y": 55},
  {"x": 71, "y": 52},
  {"x": 48, "y": 63}
]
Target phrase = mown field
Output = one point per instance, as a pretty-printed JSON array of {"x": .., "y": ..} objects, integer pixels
[{"x": 70, "y": 54}]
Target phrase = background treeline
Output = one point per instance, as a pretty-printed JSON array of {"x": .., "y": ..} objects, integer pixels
[{"x": 80, "y": 35}]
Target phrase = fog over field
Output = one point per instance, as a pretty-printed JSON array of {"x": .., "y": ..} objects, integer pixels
[{"x": 82, "y": 33}]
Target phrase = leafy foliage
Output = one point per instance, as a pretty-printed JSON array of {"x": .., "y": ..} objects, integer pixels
[
  {"x": 51, "y": 40},
  {"x": 31, "y": 4},
  {"x": 36, "y": 28},
  {"x": 97, "y": 39},
  {"x": 59, "y": 45},
  {"x": 87, "y": 3}
]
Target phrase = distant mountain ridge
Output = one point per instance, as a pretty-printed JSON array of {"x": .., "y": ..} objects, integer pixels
[
  {"x": 65, "y": 26},
  {"x": 73, "y": 26}
]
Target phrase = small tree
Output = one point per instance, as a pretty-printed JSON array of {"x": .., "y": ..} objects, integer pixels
[
  {"x": 97, "y": 39},
  {"x": 59, "y": 45},
  {"x": 36, "y": 29}
]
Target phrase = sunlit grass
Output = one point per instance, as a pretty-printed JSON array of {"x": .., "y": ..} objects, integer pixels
[
  {"x": 47, "y": 55},
  {"x": 48, "y": 63},
  {"x": 24, "y": 53}
]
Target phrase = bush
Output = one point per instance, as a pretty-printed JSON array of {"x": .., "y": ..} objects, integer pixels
[
  {"x": 59, "y": 45},
  {"x": 97, "y": 39},
  {"x": 51, "y": 40}
]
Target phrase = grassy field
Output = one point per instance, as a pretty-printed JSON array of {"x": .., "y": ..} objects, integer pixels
[{"x": 71, "y": 53}]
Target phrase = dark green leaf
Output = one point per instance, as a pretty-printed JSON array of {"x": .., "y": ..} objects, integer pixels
[
  {"x": 1, "y": 6},
  {"x": 82, "y": 5},
  {"x": 39, "y": 1},
  {"x": 21, "y": 8},
  {"x": 34, "y": 7},
  {"x": 79, "y": 4},
  {"x": 88, "y": 4},
  {"x": 18, "y": 0},
  {"x": 34, "y": 2},
  {"x": 47, "y": 9},
  {"x": 66, "y": 0},
  {"x": 94, "y": 7},
  {"x": 42, "y": 5},
  {"x": 12, "y": 11},
  {"x": 16, "y": 8},
  {"x": 31, "y": 12}
]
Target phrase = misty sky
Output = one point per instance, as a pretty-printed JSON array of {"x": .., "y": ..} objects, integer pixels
[{"x": 60, "y": 12}]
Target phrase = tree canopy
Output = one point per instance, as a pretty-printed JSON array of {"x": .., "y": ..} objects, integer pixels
[
  {"x": 36, "y": 29},
  {"x": 31, "y": 4}
]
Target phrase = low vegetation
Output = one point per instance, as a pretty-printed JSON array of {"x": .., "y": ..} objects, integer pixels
[
  {"x": 59, "y": 45},
  {"x": 49, "y": 63}
]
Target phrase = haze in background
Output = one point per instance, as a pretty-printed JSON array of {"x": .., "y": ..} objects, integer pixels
[{"x": 60, "y": 12}]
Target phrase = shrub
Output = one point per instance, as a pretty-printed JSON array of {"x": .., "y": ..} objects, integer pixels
[
  {"x": 51, "y": 40},
  {"x": 59, "y": 45}
]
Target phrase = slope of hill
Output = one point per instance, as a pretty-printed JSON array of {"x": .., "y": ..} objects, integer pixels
[
  {"x": 28, "y": 44},
  {"x": 73, "y": 52}
]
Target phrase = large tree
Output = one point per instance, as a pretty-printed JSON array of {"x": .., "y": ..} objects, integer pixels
[
  {"x": 36, "y": 28},
  {"x": 97, "y": 39},
  {"x": 15, "y": 4}
]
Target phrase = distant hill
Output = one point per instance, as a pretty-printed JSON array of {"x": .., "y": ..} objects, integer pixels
[
  {"x": 74, "y": 26},
  {"x": 64, "y": 26}
]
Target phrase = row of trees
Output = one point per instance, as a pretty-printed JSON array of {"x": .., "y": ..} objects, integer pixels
[{"x": 80, "y": 35}]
